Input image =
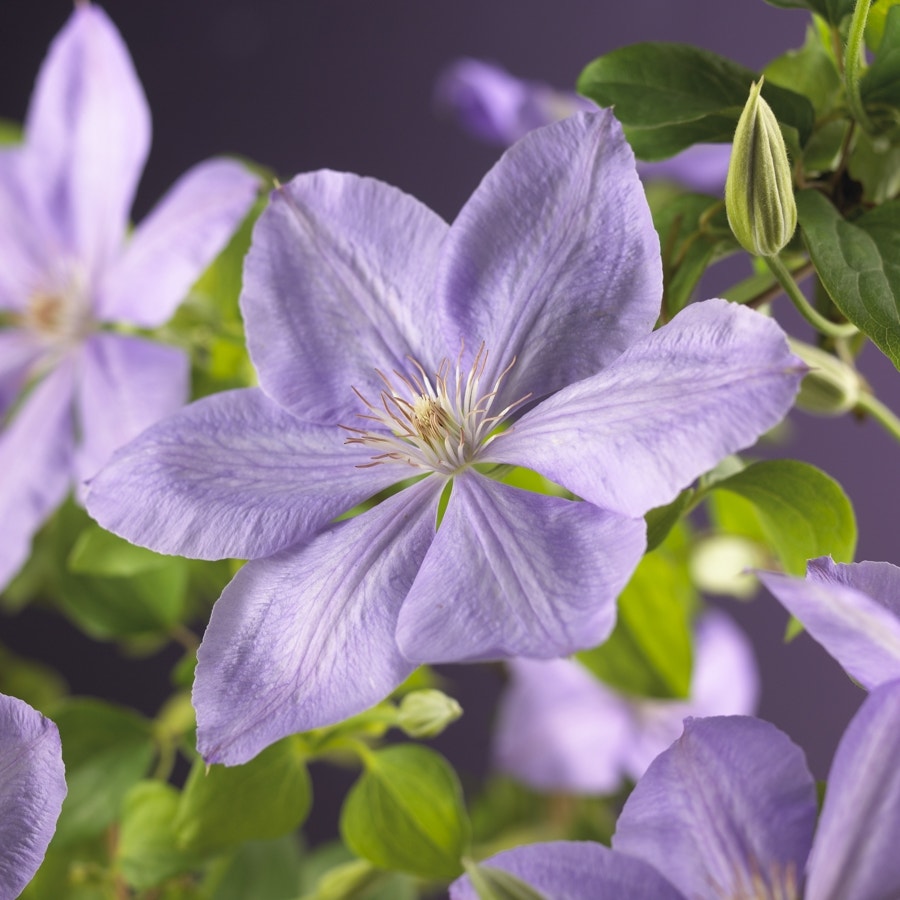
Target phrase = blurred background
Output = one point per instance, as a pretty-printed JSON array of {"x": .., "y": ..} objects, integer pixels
[{"x": 298, "y": 85}]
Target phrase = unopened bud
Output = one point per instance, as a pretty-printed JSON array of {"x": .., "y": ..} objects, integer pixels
[
  {"x": 759, "y": 190},
  {"x": 831, "y": 387},
  {"x": 425, "y": 714}
]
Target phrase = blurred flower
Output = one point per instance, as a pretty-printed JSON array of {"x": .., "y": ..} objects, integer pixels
[
  {"x": 496, "y": 107},
  {"x": 70, "y": 268},
  {"x": 392, "y": 352},
  {"x": 32, "y": 789},
  {"x": 561, "y": 729},
  {"x": 851, "y": 609},
  {"x": 730, "y": 811}
]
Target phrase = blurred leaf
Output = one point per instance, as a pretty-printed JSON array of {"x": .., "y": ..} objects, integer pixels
[
  {"x": 876, "y": 21},
  {"x": 73, "y": 872},
  {"x": 880, "y": 85},
  {"x": 263, "y": 870},
  {"x": 10, "y": 132},
  {"x": 406, "y": 813},
  {"x": 809, "y": 71},
  {"x": 649, "y": 652},
  {"x": 673, "y": 95},
  {"x": 260, "y": 800},
  {"x": 357, "y": 879},
  {"x": 106, "y": 750},
  {"x": 662, "y": 519},
  {"x": 875, "y": 164},
  {"x": 491, "y": 883},
  {"x": 35, "y": 683},
  {"x": 98, "y": 552},
  {"x": 859, "y": 265},
  {"x": 147, "y": 852},
  {"x": 802, "y": 511},
  {"x": 831, "y": 10}
]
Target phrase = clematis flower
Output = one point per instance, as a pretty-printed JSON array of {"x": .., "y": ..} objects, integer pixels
[
  {"x": 496, "y": 107},
  {"x": 70, "y": 269},
  {"x": 32, "y": 789},
  {"x": 729, "y": 812},
  {"x": 559, "y": 728},
  {"x": 395, "y": 351},
  {"x": 852, "y": 610}
]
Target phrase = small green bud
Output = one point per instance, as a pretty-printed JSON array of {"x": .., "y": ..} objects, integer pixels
[
  {"x": 759, "y": 190},
  {"x": 425, "y": 714},
  {"x": 831, "y": 387}
]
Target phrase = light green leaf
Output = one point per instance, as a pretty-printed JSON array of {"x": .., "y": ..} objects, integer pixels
[
  {"x": 263, "y": 870},
  {"x": 831, "y": 10},
  {"x": 859, "y": 265},
  {"x": 662, "y": 519},
  {"x": 649, "y": 652},
  {"x": 810, "y": 71},
  {"x": 406, "y": 813},
  {"x": 880, "y": 86},
  {"x": 262, "y": 799},
  {"x": 491, "y": 883},
  {"x": 803, "y": 512},
  {"x": 106, "y": 750},
  {"x": 98, "y": 552},
  {"x": 147, "y": 852}
]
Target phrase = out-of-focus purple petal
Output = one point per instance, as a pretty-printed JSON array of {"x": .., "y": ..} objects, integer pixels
[
  {"x": 231, "y": 475},
  {"x": 855, "y": 850},
  {"x": 126, "y": 384},
  {"x": 860, "y": 632},
  {"x": 554, "y": 260},
  {"x": 630, "y": 438},
  {"x": 88, "y": 132},
  {"x": 176, "y": 242},
  {"x": 724, "y": 682},
  {"x": 306, "y": 638},
  {"x": 731, "y": 801},
  {"x": 702, "y": 167},
  {"x": 512, "y": 573},
  {"x": 19, "y": 349},
  {"x": 560, "y": 729},
  {"x": 32, "y": 789},
  {"x": 338, "y": 283},
  {"x": 576, "y": 870},
  {"x": 497, "y": 107},
  {"x": 36, "y": 462}
]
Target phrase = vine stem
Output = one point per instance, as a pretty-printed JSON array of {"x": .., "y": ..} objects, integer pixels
[
  {"x": 884, "y": 416},
  {"x": 817, "y": 320},
  {"x": 853, "y": 61}
]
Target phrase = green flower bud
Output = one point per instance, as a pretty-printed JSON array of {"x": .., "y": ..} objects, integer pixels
[
  {"x": 831, "y": 387},
  {"x": 759, "y": 190},
  {"x": 425, "y": 714}
]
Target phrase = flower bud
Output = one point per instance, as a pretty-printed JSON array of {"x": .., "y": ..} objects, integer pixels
[
  {"x": 425, "y": 714},
  {"x": 831, "y": 387},
  {"x": 759, "y": 190}
]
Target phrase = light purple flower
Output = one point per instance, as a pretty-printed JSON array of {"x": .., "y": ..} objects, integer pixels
[
  {"x": 729, "y": 811},
  {"x": 852, "y": 610},
  {"x": 498, "y": 108},
  {"x": 561, "y": 729},
  {"x": 70, "y": 268},
  {"x": 391, "y": 346},
  {"x": 32, "y": 789}
]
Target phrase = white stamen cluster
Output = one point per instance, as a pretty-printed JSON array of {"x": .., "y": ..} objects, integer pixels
[
  {"x": 780, "y": 883},
  {"x": 438, "y": 425},
  {"x": 60, "y": 311}
]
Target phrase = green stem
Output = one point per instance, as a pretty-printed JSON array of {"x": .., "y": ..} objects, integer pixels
[
  {"x": 817, "y": 320},
  {"x": 853, "y": 61},
  {"x": 878, "y": 411}
]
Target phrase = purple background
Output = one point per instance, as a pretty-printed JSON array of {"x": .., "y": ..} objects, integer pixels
[{"x": 347, "y": 85}]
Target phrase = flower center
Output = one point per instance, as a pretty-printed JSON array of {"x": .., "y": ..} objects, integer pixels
[
  {"x": 438, "y": 424},
  {"x": 60, "y": 311}
]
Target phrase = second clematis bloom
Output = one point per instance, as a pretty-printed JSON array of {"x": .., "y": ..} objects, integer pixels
[
  {"x": 70, "y": 269},
  {"x": 407, "y": 360}
]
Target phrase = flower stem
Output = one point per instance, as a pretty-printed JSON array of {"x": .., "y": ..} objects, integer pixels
[
  {"x": 817, "y": 320},
  {"x": 853, "y": 60},
  {"x": 884, "y": 416}
]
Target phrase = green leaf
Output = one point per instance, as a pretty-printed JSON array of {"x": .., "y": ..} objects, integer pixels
[
  {"x": 263, "y": 870},
  {"x": 880, "y": 86},
  {"x": 262, "y": 799},
  {"x": 673, "y": 95},
  {"x": 106, "y": 750},
  {"x": 809, "y": 71},
  {"x": 803, "y": 512},
  {"x": 831, "y": 10},
  {"x": 662, "y": 519},
  {"x": 859, "y": 265},
  {"x": 10, "y": 132},
  {"x": 875, "y": 164},
  {"x": 406, "y": 812},
  {"x": 491, "y": 883},
  {"x": 649, "y": 652},
  {"x": 98, "y": 552},
  {"x": 35, "y": 683},
  {"x": 693, "y": 233},
  {"x": 147, "y": 852},
  {"x": 876, "y": 22}
]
